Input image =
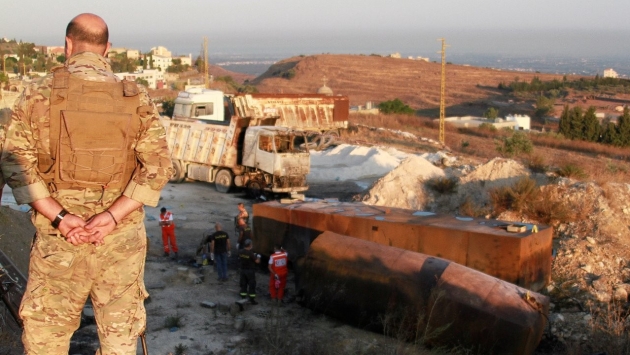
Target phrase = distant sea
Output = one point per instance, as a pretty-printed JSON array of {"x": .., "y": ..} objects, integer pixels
[{"x": 544, "y": 64}]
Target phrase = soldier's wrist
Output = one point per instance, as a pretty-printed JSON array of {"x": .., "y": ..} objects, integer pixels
[{"x": 58, "y": 218}]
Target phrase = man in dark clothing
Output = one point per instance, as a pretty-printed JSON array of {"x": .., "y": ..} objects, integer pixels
[
  {"x": 244, "y": 232},
  {"x": 220, "y": 249},
  {"x": 248, "y": 262}
]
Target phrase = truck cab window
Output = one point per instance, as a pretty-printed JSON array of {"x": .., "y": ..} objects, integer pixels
[
  {"x": 265, "y": 143},
  {"x": 203, "y": 110},
  {"x": 283, "y": 144}
]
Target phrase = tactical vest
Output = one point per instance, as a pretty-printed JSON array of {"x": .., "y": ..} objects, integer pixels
[{"x": 93, "y": 126}]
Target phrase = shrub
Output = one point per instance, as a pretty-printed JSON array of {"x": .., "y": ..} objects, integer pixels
[
  {"x": 442, "y": 185},
  {"x": 471, "y": 209},
  {"x": 572, "y": 171},
  {"x": 549, "y": 208},
  {"x": 537, "y": 164},
  {"x": 180, "y": 349},
  {"x": 518, "y": 143},
  {"x": 491, "y": 113},
  {"x": 609, "y": 329},
  {"x": 515, "y": 197},
  {"x": 395, "y": 106},
  {"x": 173, "y": 321},
  {"x": 487, "y": 127}
]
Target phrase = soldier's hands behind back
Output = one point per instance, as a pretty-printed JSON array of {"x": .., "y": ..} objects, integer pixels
[
  {"x": 99, "y": 226},
  {"x": 72, "y": 227}
]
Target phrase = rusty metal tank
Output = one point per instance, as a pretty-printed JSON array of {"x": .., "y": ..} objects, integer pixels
[
  {"x": 422, "y": 297},
  {"x": 483, "y": 244}
]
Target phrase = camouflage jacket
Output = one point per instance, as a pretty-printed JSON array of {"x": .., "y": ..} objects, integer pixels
[{"x": 28, "y": 134}]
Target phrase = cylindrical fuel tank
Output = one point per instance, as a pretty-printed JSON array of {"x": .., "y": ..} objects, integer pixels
[{"x": 380, "y": 287}]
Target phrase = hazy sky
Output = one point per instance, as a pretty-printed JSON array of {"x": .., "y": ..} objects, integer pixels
[{"x": 574, "y": 27}]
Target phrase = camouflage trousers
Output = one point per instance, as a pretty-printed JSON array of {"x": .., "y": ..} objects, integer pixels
[{"x": 62, "y": 276}]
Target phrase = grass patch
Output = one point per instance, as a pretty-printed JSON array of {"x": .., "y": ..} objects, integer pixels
[
  {"x": 572, "y": 171},
  {"x": 443, "y": 185},
  {"x": 173, "y": 321}
]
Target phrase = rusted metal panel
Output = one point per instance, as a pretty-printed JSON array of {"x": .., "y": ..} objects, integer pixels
[
  {"x": 309, "y": 112},
  {"x": 203, "y": 143},
  {"x": 482, "y": 244},
  {"x": 418, "y": 294}
]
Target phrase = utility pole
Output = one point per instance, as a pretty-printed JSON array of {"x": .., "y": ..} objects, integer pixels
[
  {"x": 206, "y": 78},
  {"x": 442, "y": 90}
]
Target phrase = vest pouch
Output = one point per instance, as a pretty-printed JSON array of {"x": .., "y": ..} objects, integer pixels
[{"x": 93, "y": 147}]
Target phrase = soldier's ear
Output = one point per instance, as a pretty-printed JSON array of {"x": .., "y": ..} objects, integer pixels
[
  {"x": 109, "y": 45},
  {"x": 68, "y": 47}
]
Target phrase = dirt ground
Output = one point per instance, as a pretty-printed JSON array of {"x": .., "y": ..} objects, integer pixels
[{"x": 176, "y": 320}]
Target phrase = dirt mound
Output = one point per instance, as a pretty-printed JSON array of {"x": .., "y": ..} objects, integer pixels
[
  {"x": 404, "y": 186},
  {"x": 497, "y": 172}
]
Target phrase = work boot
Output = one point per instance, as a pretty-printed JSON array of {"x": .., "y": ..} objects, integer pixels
[
  {"x": 174, "y": 257},
  {"x": 166, "y": 254},
  {"x": 252, "y": 300}
]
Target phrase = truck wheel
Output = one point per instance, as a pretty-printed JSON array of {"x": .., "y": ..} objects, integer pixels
[
  {"x": 179, "y": 174},
  {"x": 254, "y": 189},
  {"x": 224, "y": 181}
]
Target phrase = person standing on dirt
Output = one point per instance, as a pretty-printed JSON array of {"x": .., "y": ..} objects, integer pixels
[
  {"x": 244, "y": 232},
  {"x": 248, "y": 262},
  {"x": 278, "y": 272},
  {"x": 242, "y": 214},
  {"x": 168, "y": 232},
  {"x": 220, "y": 250},
  {"x": 86, "y": 152}
]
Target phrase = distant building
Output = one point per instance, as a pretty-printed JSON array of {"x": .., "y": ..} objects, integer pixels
[
  {"x": 162, "y": 62},
  {"x": 186, "y": 59},
  {"x": 154, "y": 77},
  {"x": 516, "y": 122},
  {"x": 395, "y": 55},
  {"x": 54, "y": 51},
  {"x": 610, "y": 73},
  {"x": 522, "y": 122},
  {"x": 133, "y": 53},
  {"x": 368, "y": 108},
  {"x": 161, "y": 51},
  {"x": 325, "y": 90}
]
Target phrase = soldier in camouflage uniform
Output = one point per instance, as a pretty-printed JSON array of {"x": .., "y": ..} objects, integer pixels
[{"x": 96, "y": 244}]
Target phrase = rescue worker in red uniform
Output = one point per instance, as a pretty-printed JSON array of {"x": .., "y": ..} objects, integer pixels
[
  {"x": 168, "y": 232},
  {"x": 278, "y": 272}
]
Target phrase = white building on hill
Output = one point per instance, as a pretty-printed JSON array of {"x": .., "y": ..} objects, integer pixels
[
  {"x": 516, "y": 122},
  {"x": 610, "y": 73},
  {"x": 154, "y": 77}
]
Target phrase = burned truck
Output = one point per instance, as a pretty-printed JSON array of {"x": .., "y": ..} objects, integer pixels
[{"x": 321, "y": 116}]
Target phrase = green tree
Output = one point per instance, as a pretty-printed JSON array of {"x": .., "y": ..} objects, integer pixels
[
  {"x": 610, "y": 134},
  {"x": 61, "y": 58},
  {"x": 576, "y": 119},
  {"x": 544, "y": 106},
  {"x": 564, "y": 127},
  {"x": 591, "y": 127},
  {"x": 491, "y": 113},
  {"x": 142, "y": 81},
  {"x": 168, "y": 106},
  {"x": 623, "y": 127},
  {"x": 395, "y": 106}
]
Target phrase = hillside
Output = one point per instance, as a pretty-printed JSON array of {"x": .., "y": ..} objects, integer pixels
[{"x": 374, "y": 78}]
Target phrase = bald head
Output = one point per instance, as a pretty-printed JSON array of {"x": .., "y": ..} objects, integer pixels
[{"x": 87, "y": 32}]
